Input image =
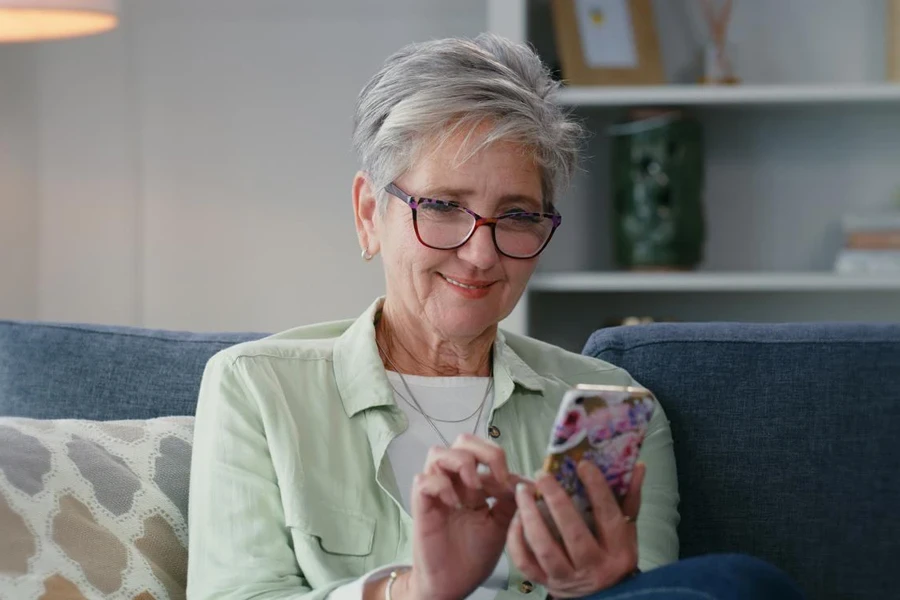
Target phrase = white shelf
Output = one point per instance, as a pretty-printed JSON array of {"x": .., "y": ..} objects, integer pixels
[
  {"x": 693, "y": 95},
  {"x": 711, "y": 282}
]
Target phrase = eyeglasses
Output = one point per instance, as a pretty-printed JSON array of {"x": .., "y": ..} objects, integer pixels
[{"x": 444, "y": 225}]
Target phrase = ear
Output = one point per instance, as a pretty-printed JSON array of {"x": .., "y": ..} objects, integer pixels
[{"x": 365, "y": 208}]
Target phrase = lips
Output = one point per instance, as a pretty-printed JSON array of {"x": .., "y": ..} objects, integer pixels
[{"x": 469, "y": 284}]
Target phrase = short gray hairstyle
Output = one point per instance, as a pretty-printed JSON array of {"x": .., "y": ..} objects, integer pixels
[{"x": 428, "y": 91}]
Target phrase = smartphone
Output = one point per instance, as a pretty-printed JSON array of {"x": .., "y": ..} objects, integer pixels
[{"x": 605, "y": 424}]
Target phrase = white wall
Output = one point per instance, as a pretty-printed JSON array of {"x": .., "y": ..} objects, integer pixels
[
  {"x": 18, "y": 185},
  {"x": 195, "y": 165}
]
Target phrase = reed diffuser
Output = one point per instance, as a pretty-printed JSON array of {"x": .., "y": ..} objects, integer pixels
[
  {"x": 892, "y": 39},
  {"x": 718, "y": 66}
]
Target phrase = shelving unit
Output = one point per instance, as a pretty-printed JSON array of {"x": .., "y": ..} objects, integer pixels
[{"x": 812, "y": 134}]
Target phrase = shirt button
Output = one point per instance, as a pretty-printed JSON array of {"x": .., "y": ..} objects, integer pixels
[
  {"x": 525, "y": 587},
  {"x": 493, "y": 431}
]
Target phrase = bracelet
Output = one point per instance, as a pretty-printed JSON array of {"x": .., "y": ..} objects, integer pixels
[{"x": 391, "y": 579}]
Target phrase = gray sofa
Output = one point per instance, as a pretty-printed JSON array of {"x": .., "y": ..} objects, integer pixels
[{"x": 785, "y": 435}]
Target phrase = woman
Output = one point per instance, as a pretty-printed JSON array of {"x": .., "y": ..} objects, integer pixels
[{"x": 390, "y": 456}]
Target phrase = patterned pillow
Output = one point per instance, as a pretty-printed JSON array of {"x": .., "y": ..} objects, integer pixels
[{"x": 92, "y": 509}]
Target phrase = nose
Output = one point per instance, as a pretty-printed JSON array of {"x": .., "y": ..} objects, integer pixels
[{"x": 480, "y": 251}]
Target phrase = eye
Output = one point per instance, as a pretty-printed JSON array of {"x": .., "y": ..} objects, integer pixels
[
  {"x": 523, "y": 217},
  {"x": 438, "y": 206}
]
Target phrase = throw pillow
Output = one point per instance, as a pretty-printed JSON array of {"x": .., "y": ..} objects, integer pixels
[{"x": 92, "y": 509}]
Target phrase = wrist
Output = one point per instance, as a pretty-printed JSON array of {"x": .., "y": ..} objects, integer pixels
[
  {"x": 403, "y": 587},
  {"x": 377, "y": 589}
]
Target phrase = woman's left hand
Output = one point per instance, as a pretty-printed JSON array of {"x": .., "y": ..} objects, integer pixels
[{"x": 583, "y": 563}]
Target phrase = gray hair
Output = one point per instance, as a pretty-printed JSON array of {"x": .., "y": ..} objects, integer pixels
[{"x": 427, "y": 92}]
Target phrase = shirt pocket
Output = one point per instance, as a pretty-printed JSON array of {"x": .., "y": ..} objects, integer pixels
[{"x": 331, "y": 542}]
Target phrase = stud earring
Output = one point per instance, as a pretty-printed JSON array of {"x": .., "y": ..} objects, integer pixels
[{"x": 366, "y": 256}]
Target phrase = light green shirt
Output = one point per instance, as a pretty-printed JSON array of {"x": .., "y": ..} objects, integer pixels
[{"x": 292, "y": 493}]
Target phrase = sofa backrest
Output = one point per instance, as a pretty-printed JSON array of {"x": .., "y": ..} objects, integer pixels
[
  {"x": 785, "y": 440},
  {"x": 64, "y": 371}
]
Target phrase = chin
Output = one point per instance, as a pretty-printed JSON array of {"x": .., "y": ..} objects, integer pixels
[{"x": 466, "y": 321}]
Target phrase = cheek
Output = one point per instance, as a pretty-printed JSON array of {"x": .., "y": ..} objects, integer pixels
[{"x": 520, "y": 271}]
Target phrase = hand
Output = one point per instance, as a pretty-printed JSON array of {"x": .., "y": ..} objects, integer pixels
[
  {"x": 457, "y": 536},
  {"x": 584, "y": 563}
]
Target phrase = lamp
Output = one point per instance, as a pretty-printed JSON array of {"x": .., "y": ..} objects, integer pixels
[{"x": 32, "y": 20}]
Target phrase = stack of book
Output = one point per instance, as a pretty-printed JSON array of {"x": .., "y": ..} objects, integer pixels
[{"x": 871, "y": 244}]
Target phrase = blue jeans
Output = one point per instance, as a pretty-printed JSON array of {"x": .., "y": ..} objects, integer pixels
[{"x": 711, "y": 577}]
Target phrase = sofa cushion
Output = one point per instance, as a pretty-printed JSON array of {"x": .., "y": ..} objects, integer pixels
[
  {"x": 63, "y": 371},
  {"x": 785, "y": 440},
  {"x": 94, "y": 509}
]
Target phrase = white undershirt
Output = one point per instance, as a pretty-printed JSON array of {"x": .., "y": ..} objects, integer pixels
[{"x": 441, "y": 398}]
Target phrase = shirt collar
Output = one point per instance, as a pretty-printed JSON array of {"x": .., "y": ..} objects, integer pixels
[{"x": 363, "y": 384}]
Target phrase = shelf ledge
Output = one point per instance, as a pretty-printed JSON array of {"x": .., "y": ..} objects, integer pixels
[
  {"x": 692, "y": 95},
  {"x": 711, "y": 282}
]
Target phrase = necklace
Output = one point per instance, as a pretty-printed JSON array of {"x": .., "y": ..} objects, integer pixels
[{"x": 418, "y": 408}]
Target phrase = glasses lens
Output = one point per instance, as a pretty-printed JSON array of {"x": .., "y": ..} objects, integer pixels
[
  {"x": 523, "y": 235},
  {"x": 442, "y": 225}
]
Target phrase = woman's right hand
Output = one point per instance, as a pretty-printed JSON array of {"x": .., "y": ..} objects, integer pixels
[{"x": 457, "y": 537}]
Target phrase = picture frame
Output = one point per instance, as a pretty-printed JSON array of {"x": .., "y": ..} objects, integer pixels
[{"x": 607, "y": 42}]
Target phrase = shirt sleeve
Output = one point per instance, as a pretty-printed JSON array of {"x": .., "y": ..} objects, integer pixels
[
  {"x": 239, "y": 545},
  {"x": 657, "y": 521}
]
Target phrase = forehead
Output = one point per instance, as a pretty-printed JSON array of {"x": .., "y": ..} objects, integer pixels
[{"x": 500, "y": 168}]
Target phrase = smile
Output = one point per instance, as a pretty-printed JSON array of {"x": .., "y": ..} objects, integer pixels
[{"x": 466, "y": 285}]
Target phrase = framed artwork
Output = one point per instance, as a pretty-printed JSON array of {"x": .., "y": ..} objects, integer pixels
[{"x": 607, "y": 42}]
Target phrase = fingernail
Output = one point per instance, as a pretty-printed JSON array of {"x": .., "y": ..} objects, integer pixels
[{"x": 521, "y": 487}]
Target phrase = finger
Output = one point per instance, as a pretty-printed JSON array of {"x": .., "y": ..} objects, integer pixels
[
  {"x": 550, "y": 556},
  {"x": 580, "y": 544},
  {"x": 631, "y": 504},
  {"x": 487, "y": 453},
  {"x": 438, "y": 486},
  {"x": 495, "y": 489},
  {"x": 521, "y": 553},
  {"x": 603, "y": 503},
  {"x": 501, "y": 499},
  {"x": 456, "y": 461}
]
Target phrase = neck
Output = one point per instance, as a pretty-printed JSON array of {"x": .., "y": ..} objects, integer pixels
[{"x": 413, "y": 351}]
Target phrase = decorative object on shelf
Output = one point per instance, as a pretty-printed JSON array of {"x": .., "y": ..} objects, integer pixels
[
  {"x": 635, "y": 320},
  {"x": 607, "y": 42},
  {"x": 718, "y": 56},
  {"x": 892, "y": 39},
  {"x": 871, "y": 243},
  {"x": 657, "y": 175},
  {"x": 35, "y": 20}
]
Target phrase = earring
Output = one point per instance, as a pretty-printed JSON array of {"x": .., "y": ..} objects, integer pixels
[{"x": 366, "y": 256}]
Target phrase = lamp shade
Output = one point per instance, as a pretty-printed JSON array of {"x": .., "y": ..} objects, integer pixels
[{"x": 32, "y": 20}]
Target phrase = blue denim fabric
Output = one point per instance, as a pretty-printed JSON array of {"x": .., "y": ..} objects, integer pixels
[
  {"x": 785, "y": 440},
  {"x": 712, "y": 577}
]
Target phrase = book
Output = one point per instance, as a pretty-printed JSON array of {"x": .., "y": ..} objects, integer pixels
[
  {"x": 888, "y": 220},
  {"x": 888, "y": 239},
  {"x": 868, "y": 261}
]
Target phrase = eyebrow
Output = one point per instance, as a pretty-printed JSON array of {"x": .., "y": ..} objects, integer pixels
[{"x": 441, "y": 193}]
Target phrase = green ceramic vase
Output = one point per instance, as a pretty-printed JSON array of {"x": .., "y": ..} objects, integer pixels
[{"x": 657, "y": 174}]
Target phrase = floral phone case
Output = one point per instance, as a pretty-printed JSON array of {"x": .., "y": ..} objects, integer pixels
[{"x": 604, "y": 424}]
